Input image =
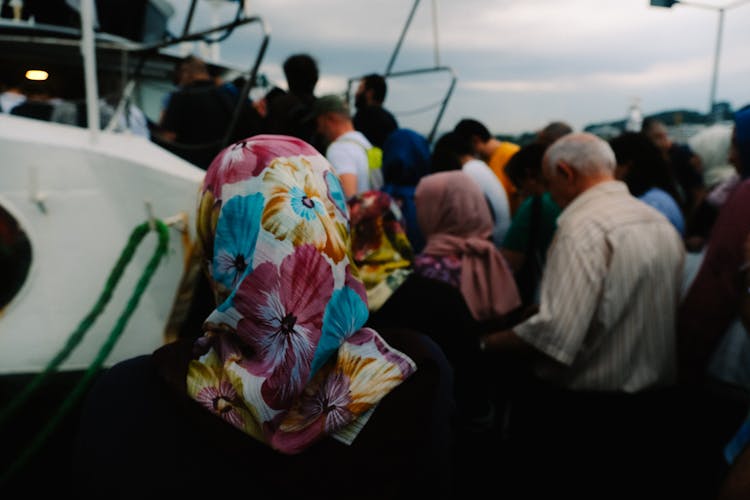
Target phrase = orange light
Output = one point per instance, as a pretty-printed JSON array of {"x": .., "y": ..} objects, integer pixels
[{"x": 37, "y": 74}]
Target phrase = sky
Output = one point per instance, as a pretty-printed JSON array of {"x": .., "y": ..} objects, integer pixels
[{"x": 518, "y": 64}]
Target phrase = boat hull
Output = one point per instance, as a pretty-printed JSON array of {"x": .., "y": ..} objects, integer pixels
[{"x": 78, "y": 200}]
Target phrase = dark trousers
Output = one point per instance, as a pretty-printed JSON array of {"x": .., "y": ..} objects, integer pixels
[{"x": 664, "y": 443}]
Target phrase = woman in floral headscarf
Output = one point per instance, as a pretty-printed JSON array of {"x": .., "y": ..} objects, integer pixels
[
  {"x": 380, "y": 247},
  {"x": 286, "y": 393}
]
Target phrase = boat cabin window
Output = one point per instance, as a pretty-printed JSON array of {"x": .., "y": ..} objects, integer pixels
[{"x": 15, "y": 257}]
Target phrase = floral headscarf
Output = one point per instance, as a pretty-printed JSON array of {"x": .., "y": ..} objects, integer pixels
[
  {"x": 284, "y": 356},
  {"x": 380, "y": 248}
]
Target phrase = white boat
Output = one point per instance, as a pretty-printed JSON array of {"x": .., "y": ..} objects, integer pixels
[
  {"x": 77, "y": 194},
  {"x": 70, "y": 201}
]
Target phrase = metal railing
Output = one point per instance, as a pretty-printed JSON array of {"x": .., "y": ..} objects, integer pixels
[{"x": 438, "y": 68}]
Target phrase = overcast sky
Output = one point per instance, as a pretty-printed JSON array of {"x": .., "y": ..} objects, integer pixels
[{"x": 519, "y": 63}]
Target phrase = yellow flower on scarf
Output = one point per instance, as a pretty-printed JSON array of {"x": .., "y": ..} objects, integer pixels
[
  {"x": 219, "y": 391},
  {"x": 299, "y": 209}
]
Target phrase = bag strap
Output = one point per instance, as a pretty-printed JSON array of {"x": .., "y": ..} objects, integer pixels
[
  {"x": 364, "y": 148},
  {"x": 374, "y": 171}
]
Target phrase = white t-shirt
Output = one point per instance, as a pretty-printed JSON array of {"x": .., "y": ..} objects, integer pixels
[
  {"x": 496, "y": 196},
  {"x": 348, "y": 155},
  {"x": 9, "y": 100}
]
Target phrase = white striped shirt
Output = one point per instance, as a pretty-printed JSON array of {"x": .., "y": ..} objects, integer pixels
[{"x": 609, "y": 295}]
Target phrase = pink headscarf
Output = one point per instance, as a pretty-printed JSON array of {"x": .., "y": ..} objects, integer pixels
[{"x": 455, "y": 219}]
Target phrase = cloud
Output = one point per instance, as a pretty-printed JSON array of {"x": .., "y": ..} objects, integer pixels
[
  {"x": 656, "y": 75},
  {"x": 518, "y": 62}
]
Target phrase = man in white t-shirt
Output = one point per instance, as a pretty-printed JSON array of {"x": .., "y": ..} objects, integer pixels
[
  {"x": 10, "y": 98},
  {"x": 347, "y": 150}
]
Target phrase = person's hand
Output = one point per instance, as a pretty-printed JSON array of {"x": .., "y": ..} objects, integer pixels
[
  {"x": 529, "y": 311},
  {"x": 261, "y": 107}
]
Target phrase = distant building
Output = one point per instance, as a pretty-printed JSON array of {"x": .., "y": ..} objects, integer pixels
[{"x": 606, "y": 131}]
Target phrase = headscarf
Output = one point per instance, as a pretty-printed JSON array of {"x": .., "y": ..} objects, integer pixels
[
  {"x": 742, "y": 139},
  {"x": 455, "y": 219},
  {"x": 406, "y": 159},
  {"x": 284, "y": 357},
  {"x": 380, "y": 248}
]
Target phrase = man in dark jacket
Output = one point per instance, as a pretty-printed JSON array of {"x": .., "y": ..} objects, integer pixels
[{"x": 371, "y": 118}]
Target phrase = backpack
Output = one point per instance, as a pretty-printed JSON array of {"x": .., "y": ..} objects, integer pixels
[{"x": 374, "y": 164}]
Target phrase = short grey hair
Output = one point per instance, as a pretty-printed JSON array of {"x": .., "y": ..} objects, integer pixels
[{"x": 587, "y": 153}]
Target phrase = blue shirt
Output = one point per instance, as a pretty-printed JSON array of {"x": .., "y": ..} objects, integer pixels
[{"x": 664, "y": 203}]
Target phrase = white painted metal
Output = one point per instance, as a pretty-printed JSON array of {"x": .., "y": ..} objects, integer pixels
[
  {"x": 94, "y": 195},
  {"x": 89, "y": 67}
]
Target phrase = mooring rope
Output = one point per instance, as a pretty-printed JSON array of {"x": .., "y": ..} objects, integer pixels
[{"x": 75, "y": 338}]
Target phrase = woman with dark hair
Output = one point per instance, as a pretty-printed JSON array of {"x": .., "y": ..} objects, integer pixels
[
  {"x": 533, "y": 226},
  {"x": 642, "y": 167}
]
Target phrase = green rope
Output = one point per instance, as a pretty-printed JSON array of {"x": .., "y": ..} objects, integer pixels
[{"x": 127, "y": 254}]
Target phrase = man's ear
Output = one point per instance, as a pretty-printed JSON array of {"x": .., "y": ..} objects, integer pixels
[{"x": 565, "y": 170}]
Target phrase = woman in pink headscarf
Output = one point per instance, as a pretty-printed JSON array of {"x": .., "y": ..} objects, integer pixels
[
  {"x": 286, "y": 393},
  {"x": 457, "y": 223},
  {"x": 460, "y": 288},
  {"x": 461, "y": 285}
]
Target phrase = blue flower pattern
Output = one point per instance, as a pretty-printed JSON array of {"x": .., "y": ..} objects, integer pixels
[
  {"x": 345, "y": 313},
  {"x": 236, "y": 235}
]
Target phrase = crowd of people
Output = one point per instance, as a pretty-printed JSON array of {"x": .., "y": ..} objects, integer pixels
[
  {"x": 39, "y": 100},
  {"x": 480, "y": 316}
]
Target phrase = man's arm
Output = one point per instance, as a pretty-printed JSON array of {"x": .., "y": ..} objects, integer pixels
[
  {"x": 506, "y": 341},
  {"x": 343, "y": 159},
  {"x": 348, "y": 184}
]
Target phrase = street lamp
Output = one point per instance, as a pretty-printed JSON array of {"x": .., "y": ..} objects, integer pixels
[{"x": 720, "y": 9}]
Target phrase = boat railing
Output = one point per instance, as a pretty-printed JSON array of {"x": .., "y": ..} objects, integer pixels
[
  {"x": 64, "y": 36},
  {"x": 252, "y": 74},
  {"x": 437, "y": 68},
  {"x": 442, "y": 103}
]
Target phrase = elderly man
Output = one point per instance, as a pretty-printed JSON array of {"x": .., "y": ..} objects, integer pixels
[
  {"x": 605, "y": 327},
  {"x": 612, "y": 281}
]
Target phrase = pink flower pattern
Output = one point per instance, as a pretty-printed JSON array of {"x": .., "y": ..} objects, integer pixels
[
  {"x": 300, "y": 299},
  {"x": 282, "y": 319}
]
